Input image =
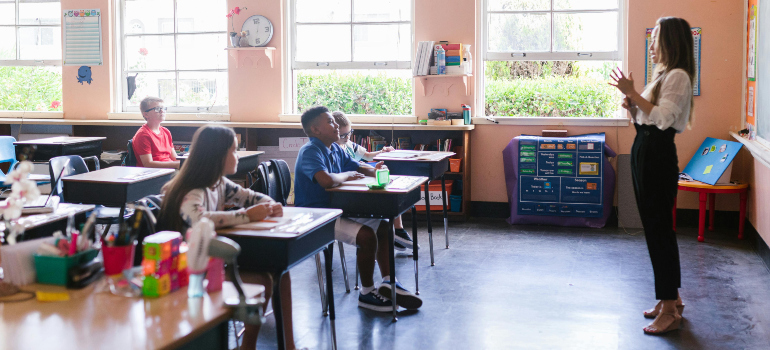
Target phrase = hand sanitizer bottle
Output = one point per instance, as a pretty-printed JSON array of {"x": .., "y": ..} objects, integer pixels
[
  {"x": 468, "y": 59},
  {"x": 440, "y": 60}
]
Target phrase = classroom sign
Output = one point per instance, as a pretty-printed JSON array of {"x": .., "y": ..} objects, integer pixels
[
  {"x": 561, "y": 176},
  {"x": 711, "y": 160}
]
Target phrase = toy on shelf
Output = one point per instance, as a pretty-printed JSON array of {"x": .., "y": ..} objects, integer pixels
[{"x": 164, "y": 264}]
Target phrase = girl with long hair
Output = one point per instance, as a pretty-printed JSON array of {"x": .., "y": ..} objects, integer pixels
[
  {"x": 662, "y": 110},
  {"x": 200, "y": 189}
]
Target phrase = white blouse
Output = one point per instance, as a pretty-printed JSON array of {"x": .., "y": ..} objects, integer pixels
[{"x": 673, "y": 109}]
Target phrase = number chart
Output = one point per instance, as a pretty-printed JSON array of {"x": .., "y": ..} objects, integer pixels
[{"x": 649, "y": 67}]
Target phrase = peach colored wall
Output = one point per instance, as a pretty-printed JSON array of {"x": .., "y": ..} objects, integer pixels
[{"x": 90, "y": 101}]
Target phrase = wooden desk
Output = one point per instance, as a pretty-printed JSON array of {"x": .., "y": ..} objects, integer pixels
[
  {"x": 703, "y": 189},
  {"x": 276, "y": 251},
  {"x": 44, "y": 225},
  {"x": 50, "y": 147},
  {"x": 101, "y": 320},
  {"x": 430, "y": 164},
  {"x": 358, "y": 201},
  {"x": 247, "y": 161}
]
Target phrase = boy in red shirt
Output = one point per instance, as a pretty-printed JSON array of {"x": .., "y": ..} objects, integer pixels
[{"x": 153, "y": 146}]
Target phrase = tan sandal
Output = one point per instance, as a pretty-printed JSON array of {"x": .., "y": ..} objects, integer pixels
[
  {"x": 652, "y": 313},
  {"x": 651, "y": 329}
]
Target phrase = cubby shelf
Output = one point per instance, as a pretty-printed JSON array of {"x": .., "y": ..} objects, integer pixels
[
  {"x": 244, "y": 53},
  {"x": 429, "y": 82}
]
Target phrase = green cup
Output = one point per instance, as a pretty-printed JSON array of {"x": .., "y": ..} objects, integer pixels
[{"x": 383, "y": 177}]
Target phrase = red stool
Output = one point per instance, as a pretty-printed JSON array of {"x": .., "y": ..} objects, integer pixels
[{"x": 712, "y": 190}]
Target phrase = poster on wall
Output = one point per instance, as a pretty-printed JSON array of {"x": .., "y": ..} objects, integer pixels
[
  {"x": 750, "y": 105},
  {"x": 752, "y": 69},
  {"x": 82, "y": 37},
  {"x": 561, "y": 176},
  {"x": 649, "y": 67}
]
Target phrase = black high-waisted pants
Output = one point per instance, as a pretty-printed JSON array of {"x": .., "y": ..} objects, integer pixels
[{"x": 655, "y": 172}]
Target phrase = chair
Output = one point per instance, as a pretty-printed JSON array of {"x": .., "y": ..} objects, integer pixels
[
  {"x": 130, "y": 158},
  {"x": 8, "y": 155},
  {"x": 77, "y": 165},
  {"x": 151, "y": 205}
]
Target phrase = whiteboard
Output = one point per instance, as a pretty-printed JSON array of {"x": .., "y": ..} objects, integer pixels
[
  {"x": 82, "y": 37},
  {"x": 762, "y": 114}
]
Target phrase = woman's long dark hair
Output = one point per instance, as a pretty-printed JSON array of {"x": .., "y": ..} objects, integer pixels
[
  {"x": 203, "y": 168},
  {"x": 675, "y": 44}
]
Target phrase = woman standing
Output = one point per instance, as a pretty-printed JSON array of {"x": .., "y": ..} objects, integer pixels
[{"x": 661, "y": 111}]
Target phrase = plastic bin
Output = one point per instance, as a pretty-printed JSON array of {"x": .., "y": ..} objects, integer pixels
[
  {"x": 456, "y": 202},
  {"x": 454, "y": 165},
  {"x": 434, "y": 188},
  {"x": 53, "y": 269}
]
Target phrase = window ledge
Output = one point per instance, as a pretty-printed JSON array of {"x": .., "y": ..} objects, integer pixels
[
  {"x": 552, "y": 121},
  {"x": 31, "y": 114},
  {"x": 219, "y": 117},
  {"x": 361, "y": 119},
  {"x": 757, "y": 149}
]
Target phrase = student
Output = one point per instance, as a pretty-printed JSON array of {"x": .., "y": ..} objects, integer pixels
[
  {"x": 403, "y": 240},
  {"x": 661, "y": 111},
  {"x": 200, "y": 189},
  {"x": 323, "y": 164},
  {"x": 153, "y": 145}
]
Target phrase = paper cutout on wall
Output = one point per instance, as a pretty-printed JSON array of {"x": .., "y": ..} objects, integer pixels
[
  {"x": 131, "y": 82},
  {"x": 84, "y": 75}
]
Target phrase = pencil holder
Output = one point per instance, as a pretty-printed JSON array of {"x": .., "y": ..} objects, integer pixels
[
  {"x": 53, "y": 269},
  {"x": 118, "y": 258}
]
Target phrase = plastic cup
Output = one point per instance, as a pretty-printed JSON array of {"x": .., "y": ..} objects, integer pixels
[
  {"x": 118, "y": 258},
  {"x": 383, "y": 177},
  {"x": 195, "y": 287}
]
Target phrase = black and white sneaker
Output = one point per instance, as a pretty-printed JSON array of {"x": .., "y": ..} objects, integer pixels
[
  {"x": 404, "y": 239},
  {"x": 404, "y": 298},
  {"x": 374, "y": 301}
]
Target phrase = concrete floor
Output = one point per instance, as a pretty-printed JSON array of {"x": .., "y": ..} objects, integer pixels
[{"x": 539, "y": 287}]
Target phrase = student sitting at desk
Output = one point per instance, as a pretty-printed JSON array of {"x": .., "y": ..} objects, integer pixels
[
  {"x": 322, "y": 164},
  {"x": 403, "y": 240},
  {"x": 202, "y": 190},
  {"x": 153, "y": 145}
]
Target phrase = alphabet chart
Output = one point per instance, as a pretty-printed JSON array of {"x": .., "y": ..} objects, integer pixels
[{"x": 649, "y": 67}]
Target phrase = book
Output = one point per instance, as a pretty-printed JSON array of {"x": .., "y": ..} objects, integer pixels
[
  {"x": 450, "y": 70},
  {"x": 449, "y": 64},
  {"x": 452, "y": 59},
  {"x": 454, "y": 53},
  {"x": 452, "y": 46}
]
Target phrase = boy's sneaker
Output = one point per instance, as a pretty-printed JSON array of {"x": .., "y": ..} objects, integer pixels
[
  {"x": 404, "y": 240},
  {"x": 404, "y": 298},
  {"x": 374, "y": 301}
]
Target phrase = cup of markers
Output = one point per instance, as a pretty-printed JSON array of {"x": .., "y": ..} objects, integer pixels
[{"x": 118, "y": 249}]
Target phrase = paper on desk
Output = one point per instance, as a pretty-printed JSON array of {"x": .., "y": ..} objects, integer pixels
[
  {"x": 267, "y": 224},
  {"x": 360, "y": 182},
  {"x": 139, "y": 175},
  {"x": 18, "y": 261}
]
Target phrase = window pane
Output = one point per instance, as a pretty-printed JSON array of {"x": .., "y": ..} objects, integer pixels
[
  {"x": 17, "y": 82},
  {"x": 519, "y": 5},
  {"x": 383, "y": 42},
  {"x": 161, "y": 85},
  {"x": 322, "y": 11},
  {"x": 202, "y": 51},
  {"x": 7, "y": 13},
  {"x": 519, "y": 32},
  {"x": 149, "y": 52},
  {"x": 550, "y": 89},
  {"x": 149, "y": 16},
  {"x": 203, "y": 16},
  {"x": 323, "y": 43},
  {"x": 382, "y": 11},
  {"x": 40, "y": 13},
  {"x": 586, "y": 31},
  {"x": 40, "y": 43},
  {"x": 585, "y": 4},
  {"x": 386, "y": 91},
  {"x": 203, "y": 89},
  {"x": 7, "y": 43}
]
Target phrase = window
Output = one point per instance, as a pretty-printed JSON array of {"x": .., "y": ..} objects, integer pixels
[
  {"x": 174, "y": 49},
  {"x": 30, "y": 55},
  {"x": 552, "y": 58},
  {"x": 352, "y": 55}
]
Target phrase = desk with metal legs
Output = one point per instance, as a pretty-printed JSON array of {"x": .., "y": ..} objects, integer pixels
[
  {"x": 50, "y": 147},
  {"x": 431, "y": 164},
  {"x": 277, "y": 250},
  {"x": 358, "y": 201}
]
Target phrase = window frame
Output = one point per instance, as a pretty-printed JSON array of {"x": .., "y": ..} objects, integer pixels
[
  {"x": 121, "y": 100},
  {"x": 483, "y": 32},
  {"x": 290, "y": 51},
  {"x": 16, "y": 26}
]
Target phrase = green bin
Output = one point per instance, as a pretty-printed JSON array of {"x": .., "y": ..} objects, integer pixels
[{"x": 53, "y": 269}]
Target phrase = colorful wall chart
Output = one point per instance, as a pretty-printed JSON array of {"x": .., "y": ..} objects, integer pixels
[
  {"x": 649, "y": 67},
  {"x": 712, "y": 159},
  {"x": 561, "y": 176}
]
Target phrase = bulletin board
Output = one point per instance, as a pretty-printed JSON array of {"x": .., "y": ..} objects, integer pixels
[
  {"x": 82, "y": 37},
  {"x": 711, "y": 160},
  {"x": 649, "y": 67}
]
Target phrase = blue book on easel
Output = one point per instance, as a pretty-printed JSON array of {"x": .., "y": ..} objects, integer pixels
[{"x": 712, "y": 163}]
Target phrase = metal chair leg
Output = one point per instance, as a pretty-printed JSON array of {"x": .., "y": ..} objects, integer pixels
[
  {"x": 344, "y": 266},
  {"x": 356, "y": 287},
  {"x": 324, "y": 304}
]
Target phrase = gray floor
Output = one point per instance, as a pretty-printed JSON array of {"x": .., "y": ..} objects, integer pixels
[{"x": 537, "y": 287}]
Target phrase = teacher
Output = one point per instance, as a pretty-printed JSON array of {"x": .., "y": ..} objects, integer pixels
[{"x": 662, "y": 110}]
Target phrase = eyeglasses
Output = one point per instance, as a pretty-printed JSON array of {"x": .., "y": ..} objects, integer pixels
[
  {"x": 157, "y": 109},
  {"x": 347, "y": 134}
]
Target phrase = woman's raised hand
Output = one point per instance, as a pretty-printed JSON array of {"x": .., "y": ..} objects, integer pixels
[{"x": 625, "y": 85}]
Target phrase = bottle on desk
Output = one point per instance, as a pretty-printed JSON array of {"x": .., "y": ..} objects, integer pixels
[{"x": 440, "y": 60}]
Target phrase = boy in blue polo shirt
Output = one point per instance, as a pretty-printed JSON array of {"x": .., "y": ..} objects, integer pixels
[{"x": 323, "y": 164}]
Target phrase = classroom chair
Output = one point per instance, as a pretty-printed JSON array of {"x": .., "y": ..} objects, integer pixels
[
  {"x": 8, "y": 155},
  {"x": 130, "y": 158},
  {"x": 77, "y": 165}
]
